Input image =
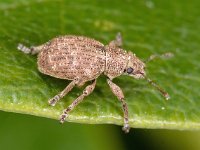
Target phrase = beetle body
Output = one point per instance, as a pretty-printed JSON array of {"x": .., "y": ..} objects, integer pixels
[
  {"x": 70, "y": 57},
  {"x": 83, "y": 59}
]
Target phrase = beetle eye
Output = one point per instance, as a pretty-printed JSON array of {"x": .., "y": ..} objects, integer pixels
[{"x": 129, "y": 70}]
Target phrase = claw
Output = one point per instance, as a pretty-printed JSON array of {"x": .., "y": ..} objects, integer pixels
[
  {"x": 23, "y": 48},
  {"x": 62, "y": 118},
  {"x": 126, "y": 128},
  {"x": 54, "y": 100}
]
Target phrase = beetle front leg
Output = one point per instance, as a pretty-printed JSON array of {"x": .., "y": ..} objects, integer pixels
[
  {"x": 118, "y": 92},
  {"x": 88, "y": 90},
  {"x": 56, "y": 98},
  {"x": 117, "y": 42}
]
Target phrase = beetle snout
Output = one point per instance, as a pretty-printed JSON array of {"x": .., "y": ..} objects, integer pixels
[
  {"x": 139, "y": 74},
  {"x": 143, "y": 74}
]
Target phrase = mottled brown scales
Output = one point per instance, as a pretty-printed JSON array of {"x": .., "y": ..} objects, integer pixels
[
  {"x": 116, "y": 59},
  {"x": 69, "y": 61},
  {"x": 83, "y": 59}
]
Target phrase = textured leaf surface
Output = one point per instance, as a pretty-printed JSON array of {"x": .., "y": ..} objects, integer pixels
[{"x": 148, "y": 27}]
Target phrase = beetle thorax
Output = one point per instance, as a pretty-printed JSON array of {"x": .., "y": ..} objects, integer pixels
[{"x": 116, "y": 61}]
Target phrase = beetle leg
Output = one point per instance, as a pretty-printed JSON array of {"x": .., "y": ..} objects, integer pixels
[
  {"x": 56, "y": 98},
  {"x": 32, "y": 50},
  {"x": 118, "y": 92},
  {"x": 117, "y": 42},
  {"x": 88, "y": 90},
  {"x": 118, "y": 39}
]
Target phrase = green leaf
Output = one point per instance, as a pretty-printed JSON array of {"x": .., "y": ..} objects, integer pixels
[{"x": 148, "y": 27}]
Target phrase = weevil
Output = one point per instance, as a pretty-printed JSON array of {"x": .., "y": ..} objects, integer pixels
[{"x": 82, "y": 59}]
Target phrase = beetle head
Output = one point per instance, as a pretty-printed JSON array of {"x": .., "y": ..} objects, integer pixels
[{"x": 135, "y": 67}]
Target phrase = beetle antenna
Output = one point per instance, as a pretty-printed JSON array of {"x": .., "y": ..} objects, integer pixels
[
  {"x": 163, "y": 92},
  {"x": 165, "y": 55}
]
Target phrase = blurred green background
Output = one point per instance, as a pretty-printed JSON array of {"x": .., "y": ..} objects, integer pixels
[
  {"x": 24, "y": 132},
  {"x": 148, "y": 27}
]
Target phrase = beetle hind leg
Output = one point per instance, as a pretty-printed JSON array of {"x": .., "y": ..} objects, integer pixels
[
  {"x": 88, "y": 90},
  {"x": 56, "y": 98},
  {"x": 32, "y": 50}
]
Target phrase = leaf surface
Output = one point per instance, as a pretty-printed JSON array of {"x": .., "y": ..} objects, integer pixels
[{"x": 148, "y": 27}]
